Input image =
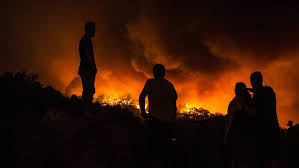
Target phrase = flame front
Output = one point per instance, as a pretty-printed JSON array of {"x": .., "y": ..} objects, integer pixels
[{"x": 188, "y": 109}]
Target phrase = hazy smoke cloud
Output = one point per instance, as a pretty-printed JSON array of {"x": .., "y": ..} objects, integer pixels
[{"x": 206, "y": 46}]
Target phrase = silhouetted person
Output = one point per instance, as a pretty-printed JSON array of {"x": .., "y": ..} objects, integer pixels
[
  {"x": 161, "y": 96},
  {"x": 162, "y": 112},
  {"x": 236, "y": 126},
  {"x": 267, "y": 127},
  {"x": 290, "y": 124},
  {"x": 87, "y": 69},
  {"x": 292, "y": 141}
]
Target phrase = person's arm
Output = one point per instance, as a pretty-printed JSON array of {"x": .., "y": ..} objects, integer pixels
[
  {"x": 247, "y": 105},
  {"x": 87, "y": 47},
  {"x": 90, "y": 57},
  {"x": 250, "y": 109},
  {"x": 174, "y": 98},
  {"x": 173, "y": 93},
  {"x": 250, "y": 90},
  {"x": 228, "y": 121},
  {"x": 142, "y": 96},
  {"x": 272, "y": 107}
]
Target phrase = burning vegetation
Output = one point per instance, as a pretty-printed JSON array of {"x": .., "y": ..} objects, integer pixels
[{"x": 189, "y": 112}]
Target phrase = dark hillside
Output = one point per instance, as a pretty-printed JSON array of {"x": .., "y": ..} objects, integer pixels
[{"x": 42, "y": 128}]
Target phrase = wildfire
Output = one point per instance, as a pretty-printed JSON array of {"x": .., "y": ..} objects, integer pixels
[
  {"x": 195, "y": 112},
  {"x": 191, "y": 109},
  {"x": 188, "y": 109},
  {"x": 112, "y": 101},
  {"x": 118, "y": 101}
]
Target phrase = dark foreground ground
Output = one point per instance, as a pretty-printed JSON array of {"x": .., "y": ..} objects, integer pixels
[{"x": 42, "y": 128}]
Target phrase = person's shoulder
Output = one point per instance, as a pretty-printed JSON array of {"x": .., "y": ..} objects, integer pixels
[
  {"x": 83, "y": 39},
  {"x": 234, "y": 101},
  {"x": 168, "y": 82},
  {"x": 268, "y": 89},
  {"x": 232, "y": 104},
  {"x": 149, "y": 81}
]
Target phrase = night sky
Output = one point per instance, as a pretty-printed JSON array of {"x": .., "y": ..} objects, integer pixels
[{"x": 206, "y": 46}]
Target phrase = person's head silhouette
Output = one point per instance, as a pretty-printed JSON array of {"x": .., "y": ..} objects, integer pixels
[
  {"x": 90, "y": 28},
  {"x": 290, "y": 123},
  {"x": 256, "y": 80},
  {"x": 159, "y": 71},
  {"x": 240, "y": 88}
]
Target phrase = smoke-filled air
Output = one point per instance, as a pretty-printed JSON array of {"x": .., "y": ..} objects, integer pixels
[{"x": 206, "y": 47}]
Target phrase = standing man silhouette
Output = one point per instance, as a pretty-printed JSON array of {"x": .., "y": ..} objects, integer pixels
[
  {"x": 161, "y": 95},
  {"x": 162, "y": 114},
  {"x": 267, "y": 126},
  {"x": 87, "y": 69}
]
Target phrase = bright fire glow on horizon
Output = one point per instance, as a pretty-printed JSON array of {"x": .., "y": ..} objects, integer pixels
[
  {"x": 215, "y": 101},
  {"x": 204, "y": 51},
  {"x": 127, "y": 101}
]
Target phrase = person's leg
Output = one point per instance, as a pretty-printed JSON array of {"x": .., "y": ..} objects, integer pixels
[
  {"x": 91, "y": 91},
  {"x": 242, "y": 163},
  {"x": 154, "y": 145},
  {"x": 93, "y": 77},
  {"x": 252, "y": 163},
  {"x": 267, "y": 164},
  {"x": 231, "y": 164},
  {"x": 86, "y": 95},
  {"x": 277, "y": 164},
  {"x": 83, "y": 88}
]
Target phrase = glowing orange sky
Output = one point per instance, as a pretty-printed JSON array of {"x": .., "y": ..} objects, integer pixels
[
  {"x": 215, "y": 100},
  {"x": 205, "y": 47}
]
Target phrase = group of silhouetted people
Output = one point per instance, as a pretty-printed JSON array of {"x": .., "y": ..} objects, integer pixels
[{"x": 251, "y": 130}]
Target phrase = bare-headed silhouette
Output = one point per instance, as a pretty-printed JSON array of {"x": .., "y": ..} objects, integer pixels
[
  {"x": 267, "y": 127},
  {"x": 161, "y": 95},
  {"x": 236, "y": 127},
  {"x": 87, "y": 69},
  {"x": 162, "y": 112}
]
